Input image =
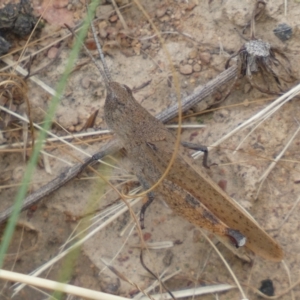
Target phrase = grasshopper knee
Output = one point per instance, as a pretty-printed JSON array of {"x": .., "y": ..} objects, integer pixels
[{"x": 236, "y": 237}]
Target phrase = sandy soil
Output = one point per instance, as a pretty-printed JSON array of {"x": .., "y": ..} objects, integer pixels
[{"x": 209, "y": 37}]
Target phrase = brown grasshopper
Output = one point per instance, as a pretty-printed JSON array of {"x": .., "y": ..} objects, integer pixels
[{"x": 186, "y": 189}]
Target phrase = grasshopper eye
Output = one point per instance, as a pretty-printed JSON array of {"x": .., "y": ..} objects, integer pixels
[{"x": 236, "y": 237}]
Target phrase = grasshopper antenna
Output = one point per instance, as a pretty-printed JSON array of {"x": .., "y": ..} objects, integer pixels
[
  {"x": 102, "y": 72},
  {"x": 105, "y": 68},
  {"x": 105, "y": 71}
]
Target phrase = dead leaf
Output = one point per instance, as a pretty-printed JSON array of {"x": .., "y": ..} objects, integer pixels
[{"x": 91, "y": 120}]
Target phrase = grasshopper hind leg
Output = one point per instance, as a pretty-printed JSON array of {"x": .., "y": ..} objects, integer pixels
[
  {"x": 191, "y": 208},
  {"x": 150, "y": 196}
]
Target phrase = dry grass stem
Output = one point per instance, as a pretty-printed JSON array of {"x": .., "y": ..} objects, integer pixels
[
  {"x": 194, "y": 292},
  {"x": 273, "y": 164},
  {"x": 57, "y": 286}
]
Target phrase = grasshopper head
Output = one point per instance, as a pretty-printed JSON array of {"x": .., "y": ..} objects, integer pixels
[{"x": 118, "y": 104}]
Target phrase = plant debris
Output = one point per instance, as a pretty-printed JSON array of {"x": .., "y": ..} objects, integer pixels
[{"x": 259, "y": 61}]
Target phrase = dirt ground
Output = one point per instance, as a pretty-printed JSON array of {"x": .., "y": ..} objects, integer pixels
[{"x": 200, "y": 36}]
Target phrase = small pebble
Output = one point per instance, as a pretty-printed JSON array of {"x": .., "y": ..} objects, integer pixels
[
  {"x": 267, "y": 287},
  {"x": 113, "y": 19},
  {"x": 102, "y": 25},
  {"x": 223, "y": 184},
  {"x": 283, "y": 31},
  {"x": 186, "y": 69},
  {"x": 102, "y": 33},
  {"x": 145, "y": 45},
  {"x": 103, "y": 11},
  {"x": 217, "y": 96},
  {"x": 98, "y": 122},
  {"x": 197, "y": 68},
  {"x": 90, "y": 44},
  {"x": 161, "y": 12},
  {"x": 184, "y": 84},
  {"x": 78, "y": 128},
  {"x": 52, "y": 52},
  {"x": 85, "y": 82},
  {"x": 76, "y": 4},
  {"x": 165, "y": 19},
  {"x": 147, "y": 236},
  {"x": 193, "y": 54},
  {"x": 205, "y": 58},
  {"x": 134, "y": 42}
]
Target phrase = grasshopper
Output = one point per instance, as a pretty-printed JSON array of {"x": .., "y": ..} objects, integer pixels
[{"x": 187, "y": 189}]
